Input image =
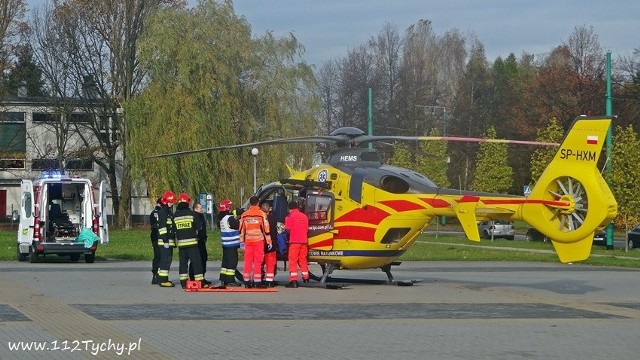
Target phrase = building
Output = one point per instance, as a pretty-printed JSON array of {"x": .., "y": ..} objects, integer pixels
[{"x": 43, "y": 137}]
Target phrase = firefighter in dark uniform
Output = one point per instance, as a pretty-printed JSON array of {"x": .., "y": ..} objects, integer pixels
[
  {"x": 187, "y": 225},
  {"x": 202, "y": 242},
  {"x": 230, "y": 240},
  {"x": 166, "y": 234},
  {"x": 157, "y": 248}
]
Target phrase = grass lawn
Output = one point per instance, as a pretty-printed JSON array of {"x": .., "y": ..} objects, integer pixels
[{"x": 134, "y": 244}]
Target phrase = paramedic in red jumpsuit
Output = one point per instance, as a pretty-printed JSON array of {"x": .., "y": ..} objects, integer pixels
[{"x": 297, "y": 224}]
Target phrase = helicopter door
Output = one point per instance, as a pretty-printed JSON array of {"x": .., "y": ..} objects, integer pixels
[{"x": 319, "y": 209}]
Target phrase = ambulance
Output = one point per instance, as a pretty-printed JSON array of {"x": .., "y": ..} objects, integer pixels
[{"x": 54, "y": 211}]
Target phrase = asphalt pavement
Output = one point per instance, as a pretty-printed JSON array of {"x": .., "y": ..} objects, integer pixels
[{"x": 456, "y": 310}]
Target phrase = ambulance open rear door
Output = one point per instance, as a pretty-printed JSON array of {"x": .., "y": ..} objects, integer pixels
[
  {"x": 102, "y": 214},
  {"x": 25, "y": 230}
]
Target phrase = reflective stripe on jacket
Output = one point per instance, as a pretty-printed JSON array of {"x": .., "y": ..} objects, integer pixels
[
  {"x": 230, "y": 237},
  {"x": 166, "y": 229},
  {"x": 186, "y": 226},
  {"x": 254, "y": 225}
]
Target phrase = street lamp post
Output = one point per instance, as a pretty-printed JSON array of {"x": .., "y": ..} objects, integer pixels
[{"x": 254, "y": 152}]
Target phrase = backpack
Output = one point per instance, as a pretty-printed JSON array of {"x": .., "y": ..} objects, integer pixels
[{"x": 282, "y": 239}]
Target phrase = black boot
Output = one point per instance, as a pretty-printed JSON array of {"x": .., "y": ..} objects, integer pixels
[
  {"x": 183, "y": 283},
  {"x": 292, "y": 284},
  {"x": 248, "y": 285},
  {"x": 154, "y": 279}
]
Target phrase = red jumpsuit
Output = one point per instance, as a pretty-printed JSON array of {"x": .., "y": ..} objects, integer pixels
[{"x": 298, "y": 225}]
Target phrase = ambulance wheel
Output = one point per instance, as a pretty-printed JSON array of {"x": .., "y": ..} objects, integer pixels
[
  {"x": 21, "y": 256},
  {"x": 33, "y": 257},
  {"x": 89, "y": 258},
  {"x": 74, "y": 257}
]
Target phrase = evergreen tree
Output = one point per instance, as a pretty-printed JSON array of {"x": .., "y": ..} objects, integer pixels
[
  {"x": 542, "y": 156},
  {"x": 25, "y": 72},
  {"x": 493, "y": 173},
  {"x": 401, "y": 156},
  {"x": 433, "y": 161}
]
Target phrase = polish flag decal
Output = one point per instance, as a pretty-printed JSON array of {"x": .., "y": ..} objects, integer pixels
[{"x": 592, "y": 140}]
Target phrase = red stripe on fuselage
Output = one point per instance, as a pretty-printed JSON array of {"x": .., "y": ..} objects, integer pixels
[
  {"x": 436, "y": 203},
  {"x": 368, "y": 214},
  {"x": 402, "y": 205},
  {"x": 468, "y": 198},
  {"x": 355, "y": 233}
]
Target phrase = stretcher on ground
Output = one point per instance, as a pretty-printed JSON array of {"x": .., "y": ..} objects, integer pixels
[{"x": 196, "y": 286}]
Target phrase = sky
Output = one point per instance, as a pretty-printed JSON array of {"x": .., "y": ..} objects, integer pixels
[{"x": 329, "y": 28}]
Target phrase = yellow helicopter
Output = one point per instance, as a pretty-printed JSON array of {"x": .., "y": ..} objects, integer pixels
[{"x": 364, "y": 214}]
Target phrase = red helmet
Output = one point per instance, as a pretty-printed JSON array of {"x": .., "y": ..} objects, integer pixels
[
  {"x": 183, "y": 197},
  {"x": 168, "y": 197},
  {"x": 225, "y": 205}
]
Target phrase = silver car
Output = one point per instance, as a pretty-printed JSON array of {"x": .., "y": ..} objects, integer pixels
[{"x": 498, "y": 228}]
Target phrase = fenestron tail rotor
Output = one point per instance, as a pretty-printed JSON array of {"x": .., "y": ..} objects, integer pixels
[{"x": 571, "y": 200}]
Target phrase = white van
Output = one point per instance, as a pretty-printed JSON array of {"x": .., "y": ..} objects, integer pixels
[{"x": 54, "y": 211}]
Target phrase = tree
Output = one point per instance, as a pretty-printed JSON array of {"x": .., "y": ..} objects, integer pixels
[
  {"x": 90, "y": 48},
  {"x": 626, "y": 187},
  {"x": 492, "y": 174},
  {"x": 211, "y": 84},
  {"x": 401, "y": 156},
  {"x": 11, "y": 14},
  {"x": 26, "y": 73},
  {"x": 433, "y": 160},
  {"x": 542, "y": 156}
]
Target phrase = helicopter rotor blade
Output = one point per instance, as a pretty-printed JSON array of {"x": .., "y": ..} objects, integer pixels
[
  {"x": 373, "y": 138},
  {"x": 302, "y": 139}
]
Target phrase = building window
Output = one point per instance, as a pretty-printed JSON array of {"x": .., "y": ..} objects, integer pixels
[
  {"x": 80, "y": 118},
  {"x": 13, "y": 138},
  {"x": 12, "y": 164},
  {"x": 45, "y": 164},
  {"x": 15, "y": 117},
  {"x": 79, "y": 164},
  {"x": 46, "y": 117}
]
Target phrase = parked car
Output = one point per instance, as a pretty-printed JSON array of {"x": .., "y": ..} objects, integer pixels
[
  {"x": 535, "y": 235},
  {"x": 598, "y": 239},
  {"x": 499, "y": 229},
  {"x": 633, "y": 237}
]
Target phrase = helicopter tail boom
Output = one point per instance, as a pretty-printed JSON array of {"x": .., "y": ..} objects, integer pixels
[{"x": 571, "y": 199}]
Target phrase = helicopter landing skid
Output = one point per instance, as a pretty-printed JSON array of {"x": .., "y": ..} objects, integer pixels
[{"x": 391, "y": 281}]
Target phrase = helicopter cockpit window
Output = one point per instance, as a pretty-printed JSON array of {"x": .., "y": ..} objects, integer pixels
[{"x": 318, "y": 208}]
